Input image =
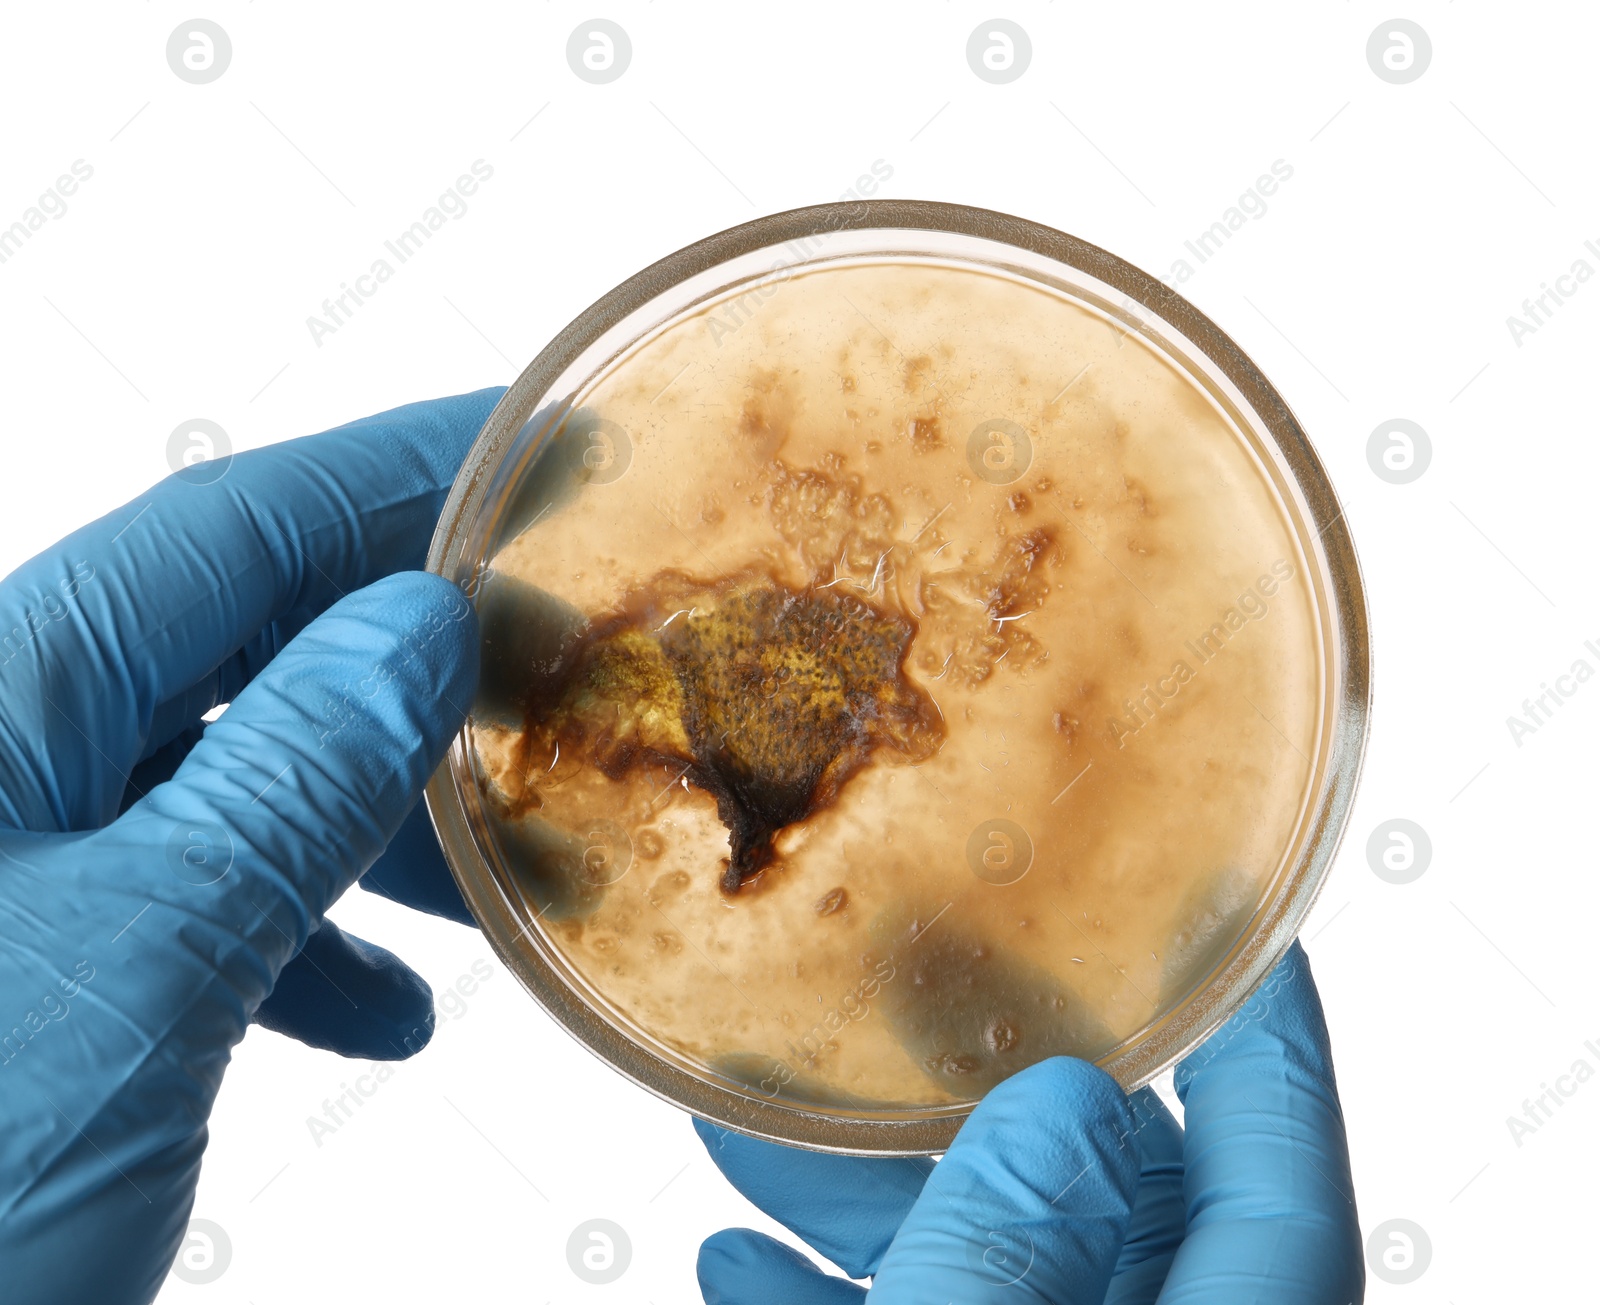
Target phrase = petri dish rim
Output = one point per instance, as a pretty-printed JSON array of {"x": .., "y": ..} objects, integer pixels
[{"x": 1178, "y": 332}]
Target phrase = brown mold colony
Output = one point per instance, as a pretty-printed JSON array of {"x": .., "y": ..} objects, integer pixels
[{"x": 770, "y": 698}]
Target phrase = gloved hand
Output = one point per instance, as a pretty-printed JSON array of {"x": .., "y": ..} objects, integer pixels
[
  {"x": 1061, "y": 1189},
  {"x": 163, "y": 884}
]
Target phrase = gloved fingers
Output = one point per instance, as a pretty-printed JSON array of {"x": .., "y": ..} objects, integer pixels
[
  {"x": 298, "y": 787},
  {"x": 136, "y": 608},
  {"x": 413, "y": 871},
  {"x": 161, "y": 765},
  {"x": 345, "y": 995},
  {"x": 1032, "y": 1201},
  {"x": 848, "y": 1208},
  {"x": 1155, "y": 1230},
  {"x": 1271, "y": 1206},
  {"x": 183, "y": 710},
  {"x": 740, "y": 1267}
]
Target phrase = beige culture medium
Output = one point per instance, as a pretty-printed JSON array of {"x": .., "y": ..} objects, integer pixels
[{"x": 898, "y": 668}]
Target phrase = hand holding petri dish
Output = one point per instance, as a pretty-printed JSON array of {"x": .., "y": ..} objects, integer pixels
[{"x": 915, "y": 644}]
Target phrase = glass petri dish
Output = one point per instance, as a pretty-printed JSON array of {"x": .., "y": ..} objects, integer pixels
[{"x": 916, "y": 642}]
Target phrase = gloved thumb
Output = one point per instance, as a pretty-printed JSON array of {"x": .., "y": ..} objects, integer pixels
[
  {"x": 1031, "y": 1202},
  {"x": 294, "y": 792}
]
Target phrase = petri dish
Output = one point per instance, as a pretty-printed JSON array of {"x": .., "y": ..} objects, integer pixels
[{"x": 915, "y": 642}]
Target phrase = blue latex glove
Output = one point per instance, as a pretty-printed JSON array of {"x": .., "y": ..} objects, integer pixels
[
  {"x": 1061, "y": 1189},
  {"x": 163, "y": 883}
]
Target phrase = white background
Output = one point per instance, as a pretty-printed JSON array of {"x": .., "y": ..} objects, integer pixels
[{"x": 1377, "y": 285}]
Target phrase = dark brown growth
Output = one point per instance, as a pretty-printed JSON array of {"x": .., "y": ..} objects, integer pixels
[{"x": 767, "y": 698}]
